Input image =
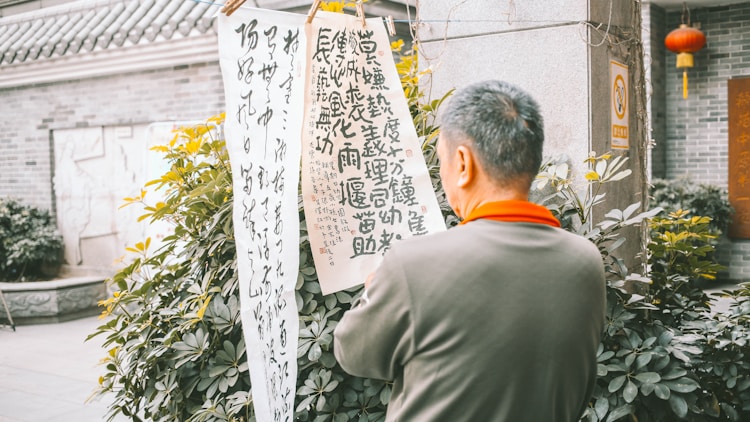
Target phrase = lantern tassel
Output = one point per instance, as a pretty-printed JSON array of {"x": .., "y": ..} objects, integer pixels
[{"x": 684, "y": 84}]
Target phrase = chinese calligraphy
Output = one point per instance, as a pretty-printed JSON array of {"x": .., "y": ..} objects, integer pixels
[
  {"x": 261, "y": 60},
  {"x": 363, "y": 184},
  {"x": 326, "y": 94}
]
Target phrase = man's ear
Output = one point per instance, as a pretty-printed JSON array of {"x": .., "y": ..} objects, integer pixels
[{"x": 466, "y": 166}]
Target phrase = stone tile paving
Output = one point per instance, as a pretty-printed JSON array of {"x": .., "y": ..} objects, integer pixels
[{"x": 47, "y": 372}]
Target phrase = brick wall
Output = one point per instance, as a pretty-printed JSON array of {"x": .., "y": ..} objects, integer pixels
[
  {"x": 696, "y": 135},
  {"x": 691, "y": 135},
  {"x": 31, "y": 113}
]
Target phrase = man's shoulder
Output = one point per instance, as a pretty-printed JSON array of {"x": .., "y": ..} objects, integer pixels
[{"x": 433, "y": 239}]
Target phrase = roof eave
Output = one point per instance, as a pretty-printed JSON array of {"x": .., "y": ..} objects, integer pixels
[{"x": 135, "y": 58}]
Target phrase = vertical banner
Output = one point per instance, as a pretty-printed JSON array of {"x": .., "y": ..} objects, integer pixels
[
  {"x": 262, "y": 55},
  {"x": 619, "y": 93},
  {"x": 364, "y": 180},
  {"x": 739, "y": 155}
]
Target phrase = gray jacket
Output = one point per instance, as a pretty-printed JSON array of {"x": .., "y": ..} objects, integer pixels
[{"x": 489, "y": 321}]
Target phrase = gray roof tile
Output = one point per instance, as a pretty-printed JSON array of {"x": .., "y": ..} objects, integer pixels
[{"x": 87, "y": 25}]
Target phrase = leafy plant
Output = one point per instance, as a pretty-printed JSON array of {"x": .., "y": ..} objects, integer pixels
[
  {"x": 697, "y": 199},
  {"x": 724, "y": 361},
  {"x": 664, "y": 355},
  {"x": 174, "y": 336},
  {"x": 681, "y": 254},
  {"x": 29, "y": 242},
  {"x": 573, "y": 206},
  {"x": 176, "y": 349}
]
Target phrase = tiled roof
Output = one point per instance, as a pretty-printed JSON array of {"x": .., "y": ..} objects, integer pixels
[{"x": 88, "y": 25}]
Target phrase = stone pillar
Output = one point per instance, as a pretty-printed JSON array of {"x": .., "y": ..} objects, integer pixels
[{"x": 559, "y": 52}]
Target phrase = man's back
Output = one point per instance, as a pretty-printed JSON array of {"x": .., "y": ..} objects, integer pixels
[{"x": 490, "y": 321}]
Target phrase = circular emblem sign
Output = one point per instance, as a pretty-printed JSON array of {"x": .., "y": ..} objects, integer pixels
[{"x": 620, "y": 97}]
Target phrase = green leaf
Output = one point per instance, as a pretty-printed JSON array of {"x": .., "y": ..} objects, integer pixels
[
  {"x": 305, "y": 403},
  {"x": 616, "y": 383},
  {"x": 682, "y": 385},
  {"x": 619, "y": 413},
  {"x": 678, "y": 405},
  {"x": 601, "y": 407},
  {"x": 315, "y": 352},
  {"x": 647, "y": 389},
  {"x": 601, "y": 370},
  {"x": 630, "y": 392},
  {"x": 674, "y": 373},
  {"x": 662, "y": 391},
  {"x": 648, "y": 377},
  {"x": 321, "y": 403},
  {"x": 629, "y": 359},
  {"x": 643, "y": 360}
]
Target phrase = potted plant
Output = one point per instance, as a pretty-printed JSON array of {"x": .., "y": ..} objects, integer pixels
[{"x": 30, "y": 245}]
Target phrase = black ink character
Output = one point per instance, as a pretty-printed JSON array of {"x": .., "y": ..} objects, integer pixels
[
  {"x": 363, "y": 246},
  {"x": 343, "y": 128},
  {"x": 379, "y": 197},
  {"x": 270, "y": 34},
  {"x": 366, "y": 222},
  {"x": 352, "y": 193},
  {"x": 323, "y": 46},
  {"x": 348, "y": 157},
  {"x": 327, "y": 143},
  {"x": 386, "y": 238},
  {"x": 291, "y": 41},
  {"x": 249, "y": 34},
  {"x": 416, "y": 223},
  {"x": 377, "y": 171},
  {"x": 390, "y": 216}
]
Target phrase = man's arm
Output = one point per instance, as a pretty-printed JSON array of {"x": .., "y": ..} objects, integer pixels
[{"x": 376, "y": 337}]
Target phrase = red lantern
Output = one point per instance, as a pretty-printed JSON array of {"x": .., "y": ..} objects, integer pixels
[{"x": 684, "y": 41}]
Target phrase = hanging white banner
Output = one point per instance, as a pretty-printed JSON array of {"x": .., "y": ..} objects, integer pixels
[
  {"x": 364, "y": 180},
  {"x": 262, "y": 56}
]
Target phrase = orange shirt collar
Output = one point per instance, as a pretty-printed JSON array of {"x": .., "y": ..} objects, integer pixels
[{"x": 513, "y": 211}]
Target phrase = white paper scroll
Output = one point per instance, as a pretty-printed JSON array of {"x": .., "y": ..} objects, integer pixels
[
  {"x": 326, "y": 92},
  {"x": 364, "y": 180},
  {"x": 262, "y": 56}
]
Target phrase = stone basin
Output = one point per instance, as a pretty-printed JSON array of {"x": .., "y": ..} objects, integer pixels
[{"x": 63, "y": 299}]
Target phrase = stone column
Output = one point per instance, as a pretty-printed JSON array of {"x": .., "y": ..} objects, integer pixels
[{"x": 559, "y": 52}]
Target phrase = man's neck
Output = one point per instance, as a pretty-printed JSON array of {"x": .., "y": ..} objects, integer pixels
[{"x": 495, "y": 195}]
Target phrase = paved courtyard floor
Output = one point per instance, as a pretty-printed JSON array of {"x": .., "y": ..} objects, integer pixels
[{"x": 47, "y": 372}]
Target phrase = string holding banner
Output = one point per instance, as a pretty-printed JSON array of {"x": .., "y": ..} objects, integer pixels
[
  {"x": 313, "y": 10},
  {"x": 231, "y": 6},
  {"x": 361, "y": 13}
]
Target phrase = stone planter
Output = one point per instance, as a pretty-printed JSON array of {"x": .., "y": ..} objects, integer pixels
[{"x": 43, "y": 302}]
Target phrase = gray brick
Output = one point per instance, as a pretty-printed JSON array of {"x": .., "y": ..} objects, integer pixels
[{"x": 176, "y": 93}]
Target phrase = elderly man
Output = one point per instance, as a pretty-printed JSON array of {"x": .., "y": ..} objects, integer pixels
[{"x": 499, "y": 318}]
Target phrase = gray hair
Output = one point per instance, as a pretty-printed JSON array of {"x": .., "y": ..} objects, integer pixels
[{"x": 503, "y": 126}]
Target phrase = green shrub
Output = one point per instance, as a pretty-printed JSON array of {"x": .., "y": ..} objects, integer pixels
[
  {"x": 664, "y": 355},
  {"x": 681, "y": 254},
  {"x": 697, "y": 199},
  {"x": 177, "y": 352},
  {"x": 176, "y": 349},
  {"x": 29, "y": 242},
  {"x": 722, "y": 358}
]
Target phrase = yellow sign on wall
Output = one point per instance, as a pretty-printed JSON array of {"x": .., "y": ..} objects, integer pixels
[{"x": 619, "y": 94}]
